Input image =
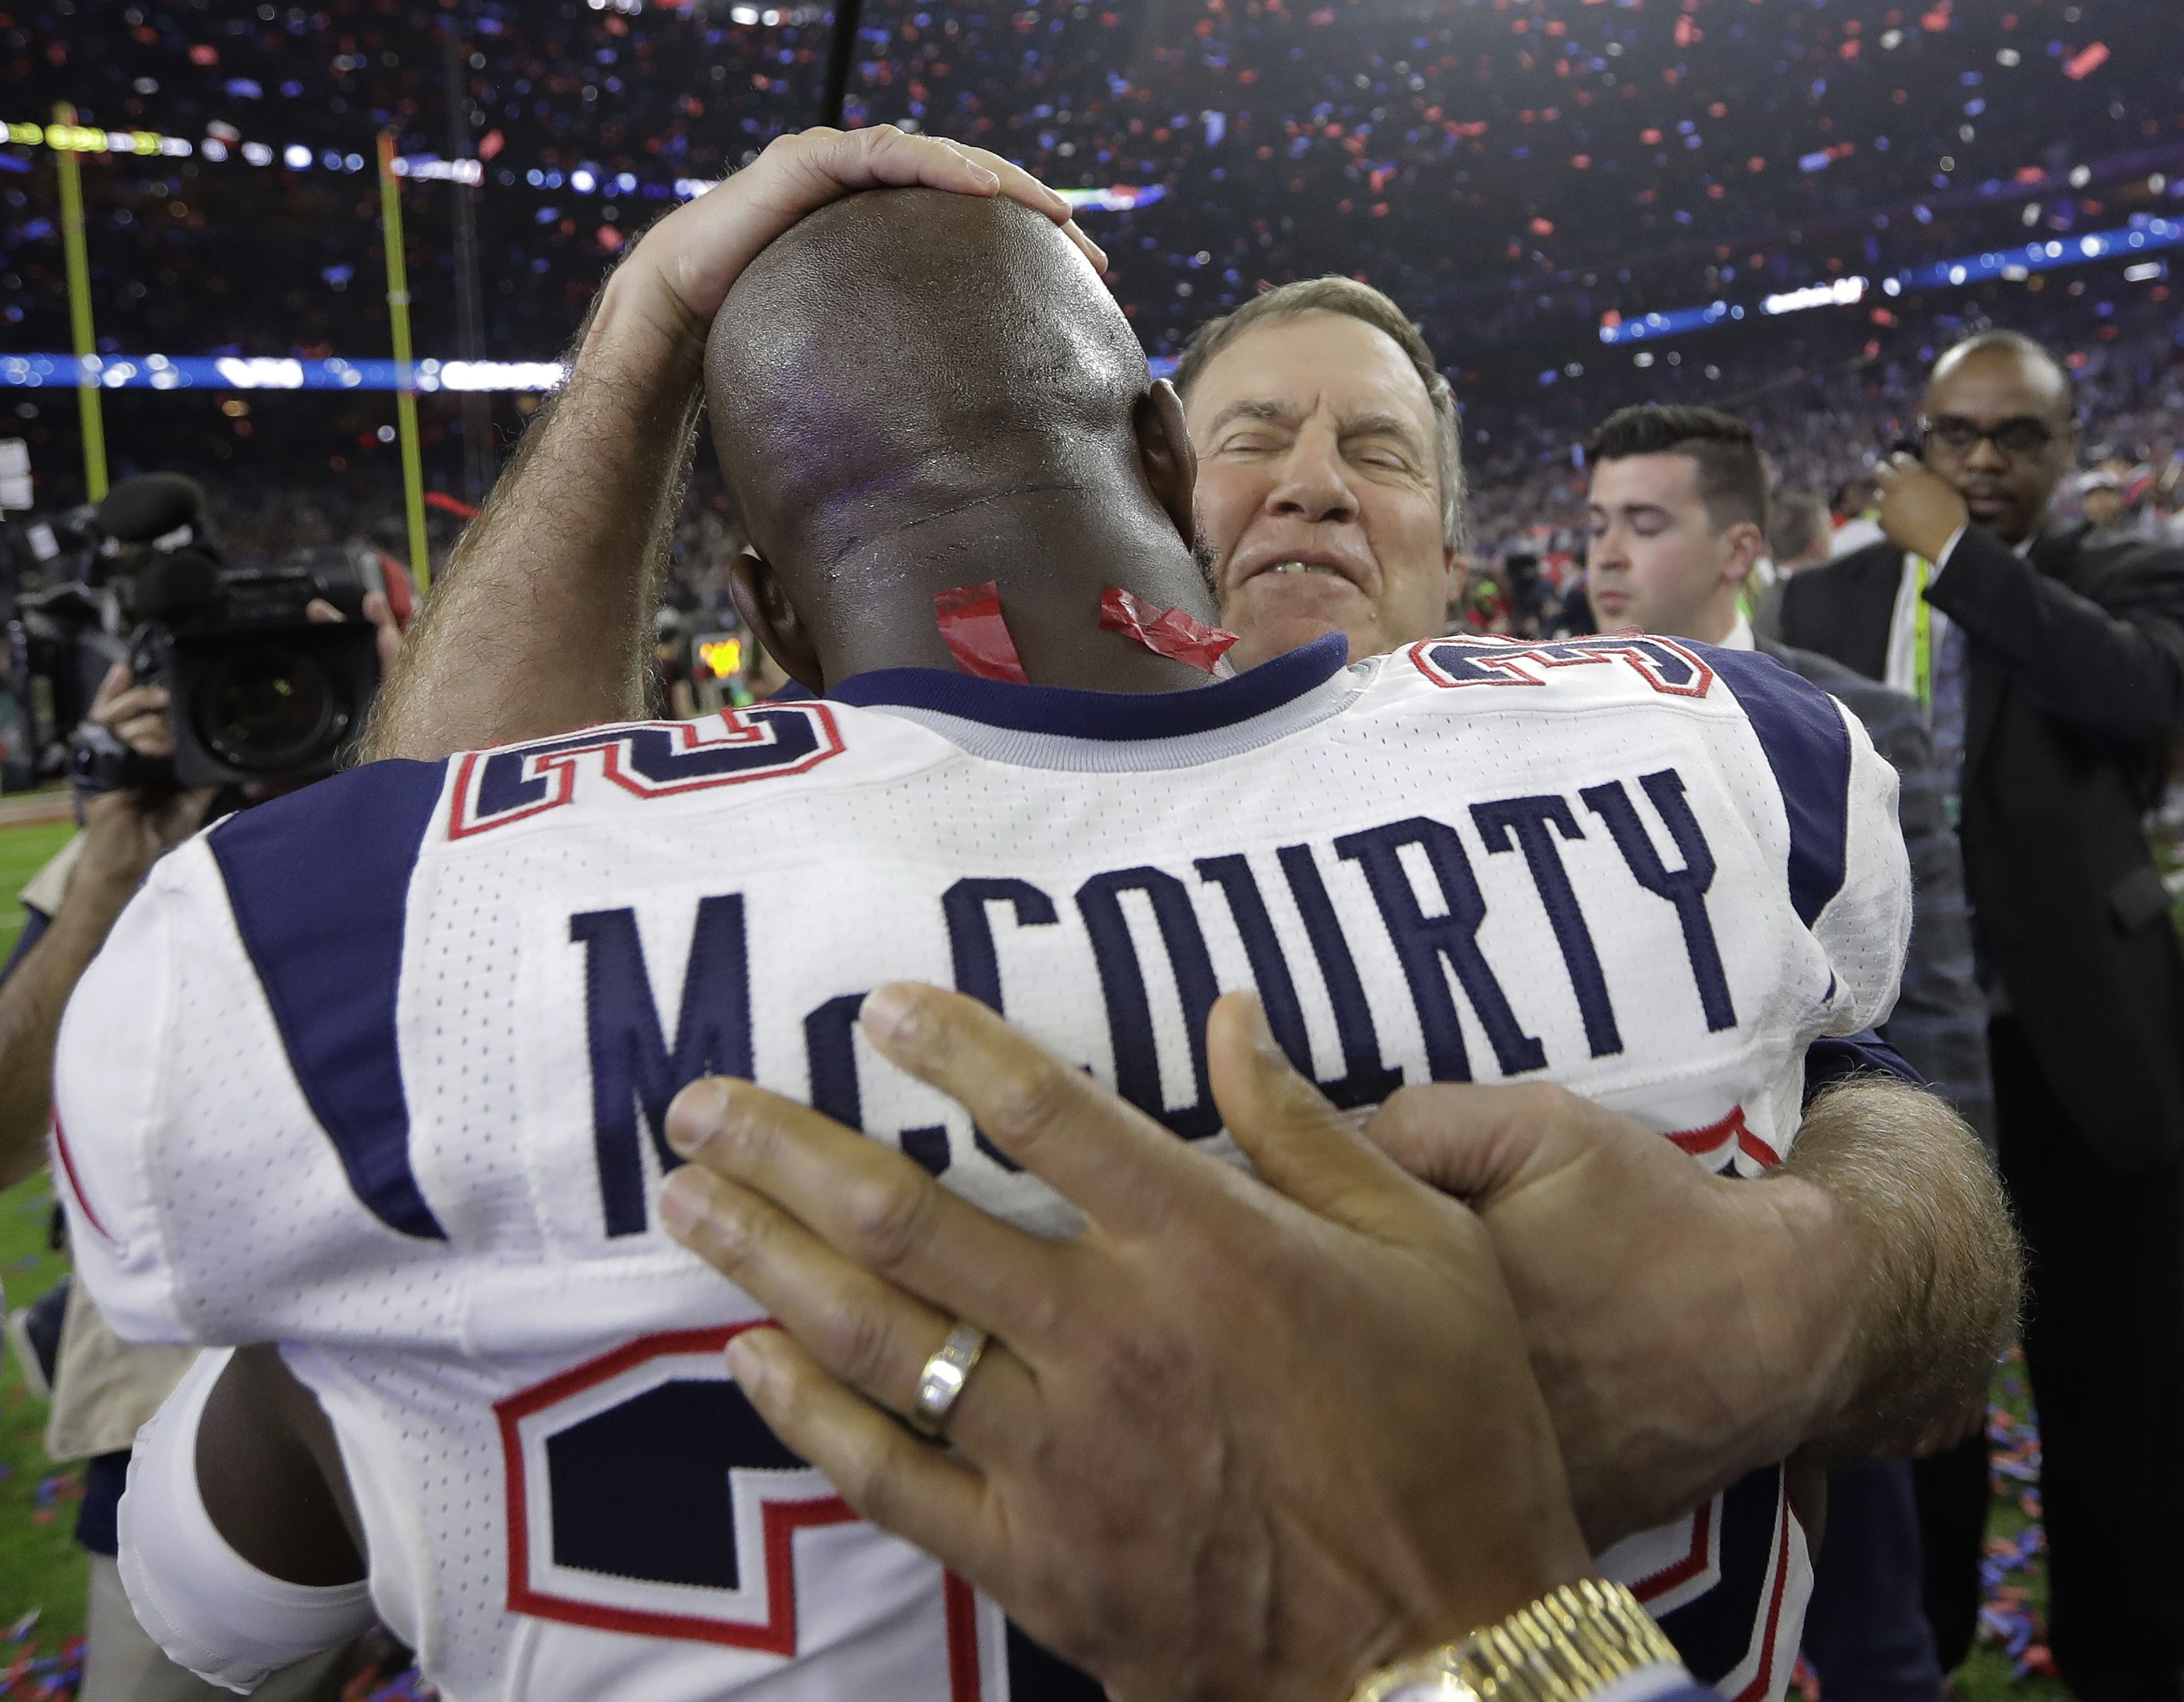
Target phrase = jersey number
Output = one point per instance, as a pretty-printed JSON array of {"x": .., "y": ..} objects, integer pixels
[
  {"x": 649, "y": 759},
  {"x": 646, "y": 1495}
]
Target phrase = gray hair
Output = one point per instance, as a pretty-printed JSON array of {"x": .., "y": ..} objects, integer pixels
[{"x": 1346, "y": 296}]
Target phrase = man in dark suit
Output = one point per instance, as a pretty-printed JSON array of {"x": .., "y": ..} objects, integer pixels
[
  {"x": 1678, "y": 515},
  {"x": 2053, "y": 666}
]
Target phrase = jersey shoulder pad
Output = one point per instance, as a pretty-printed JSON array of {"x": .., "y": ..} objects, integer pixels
[{"x": 319, "y": 886}]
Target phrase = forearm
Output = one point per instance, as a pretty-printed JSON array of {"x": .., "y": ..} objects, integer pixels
[
  {"x": 31, "y": 1001},
  {"x": 542, "y": 622},
  {"x": 1911, "y": 1270},
  {"x": 2119, "y": 672}
]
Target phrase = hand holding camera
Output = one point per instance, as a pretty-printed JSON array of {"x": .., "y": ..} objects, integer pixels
[{"x": 128, "y": 828}]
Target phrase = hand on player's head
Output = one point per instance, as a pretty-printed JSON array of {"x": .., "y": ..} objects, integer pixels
[
  {"x": 1191, "y": 1399},
  {"x": 697, "y": 253}
]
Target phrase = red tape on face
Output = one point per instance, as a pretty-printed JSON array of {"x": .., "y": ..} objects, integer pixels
[
  {"x": 1165, "y": 633},
  {"x": 969, "y": 617}
]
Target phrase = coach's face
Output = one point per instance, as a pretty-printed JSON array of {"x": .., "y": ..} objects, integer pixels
[{"x": 1318, "y": 491}]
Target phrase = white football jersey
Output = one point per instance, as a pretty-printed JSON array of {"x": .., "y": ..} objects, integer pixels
[{"x": 378, "y": 1072}]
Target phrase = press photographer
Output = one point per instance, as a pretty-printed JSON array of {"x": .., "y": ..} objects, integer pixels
[{"x": 239, "y": 681}]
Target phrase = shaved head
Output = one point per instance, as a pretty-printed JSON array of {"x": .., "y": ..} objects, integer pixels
[{"x": 903, "y": 354}]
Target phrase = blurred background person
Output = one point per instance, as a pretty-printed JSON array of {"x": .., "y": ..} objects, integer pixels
[
  {"x": 1799, "y": 534},
  {"x": 2051, "y": 664},
  {"x": 2101, "y": 503},
  {"x": 1856, "y": 506}
]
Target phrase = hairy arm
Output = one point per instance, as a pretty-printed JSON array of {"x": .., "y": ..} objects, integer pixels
[
  {"x": 542, "y": 622},
  {"x": 1912, "y": 1244},
  {"x": 1688, "y": 1328}
]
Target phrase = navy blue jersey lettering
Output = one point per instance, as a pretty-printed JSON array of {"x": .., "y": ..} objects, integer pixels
[
  {"x": 1511, "y": 822},
  {"x": 647, "y": 760},
  {"x": 1684, "y": 888},
  {"x": 1122, "y": 982},
  {"x": 630, "y": 1064},
  {"x": 1483, "y": 659},
  {"x": 978, "y": 968},
  {"x": 1423, "y": 942},
  {"x": 641, "y": 1490},
  {"x": 1366, "y": 1080},
  {"x": 830, "y": 1047}
]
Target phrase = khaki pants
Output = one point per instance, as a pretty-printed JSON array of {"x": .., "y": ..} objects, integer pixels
[{"x": 121, "y": 1664}]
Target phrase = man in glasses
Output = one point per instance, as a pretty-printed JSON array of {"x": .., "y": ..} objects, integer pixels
[{"x": 2051, "y": 661}]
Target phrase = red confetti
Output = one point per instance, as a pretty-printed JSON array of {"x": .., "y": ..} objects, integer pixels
[
  {"x": 2085, "y": 63},
  {"x": 1166, "y": 632},
  {"x": 969, "y": 617}
]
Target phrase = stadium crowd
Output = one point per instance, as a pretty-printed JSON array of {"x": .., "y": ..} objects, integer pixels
[{"x": 1952, "y": 516}]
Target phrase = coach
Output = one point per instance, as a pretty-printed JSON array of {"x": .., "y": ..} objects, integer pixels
[{"x": 2053, "y": 666}]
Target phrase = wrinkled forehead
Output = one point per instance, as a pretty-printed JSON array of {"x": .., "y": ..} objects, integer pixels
[
  {"x": 1299, "y": 365},
  {"x": 1993, "y": 386}
]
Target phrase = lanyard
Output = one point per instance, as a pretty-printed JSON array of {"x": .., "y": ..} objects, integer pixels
[{"x": 1922, "y": 639}]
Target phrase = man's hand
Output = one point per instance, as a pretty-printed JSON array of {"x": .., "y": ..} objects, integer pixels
[
  {"x": 1663, "y": 1315},
  {"x": 575, "y": 534},
  {"x": 676, "y": 278},
  {"x": 123, "y": 833},
  {"x": 1688, "y": 1328},
  {"x": 1224, "y": 1443},
  {"x": 1919, "y": 510},
  {"x": 386, "y": 630}
]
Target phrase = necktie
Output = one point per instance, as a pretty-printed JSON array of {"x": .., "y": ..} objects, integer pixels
[{"x": 1951, "y": 677}]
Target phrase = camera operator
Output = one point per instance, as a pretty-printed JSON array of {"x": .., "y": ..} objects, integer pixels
[{"x": 104, "y": 1390}]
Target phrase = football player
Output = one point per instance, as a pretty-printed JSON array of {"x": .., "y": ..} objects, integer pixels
[{"x": 397, "y": 1106}]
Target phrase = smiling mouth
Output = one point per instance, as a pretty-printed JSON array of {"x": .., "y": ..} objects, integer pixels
[{"x": 1305, "y": 567}]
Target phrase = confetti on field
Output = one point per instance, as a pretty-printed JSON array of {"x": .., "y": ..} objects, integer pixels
[
  {"x": 31, "y": 1677},
  {"x": 2010, "y": 1617}
]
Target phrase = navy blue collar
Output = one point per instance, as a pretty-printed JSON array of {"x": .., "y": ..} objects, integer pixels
[{"x": 1102, "y": 714}]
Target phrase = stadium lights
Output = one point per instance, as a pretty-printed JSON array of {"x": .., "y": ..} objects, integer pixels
[
  {"x": 2144, "y": 235},
  {"x": 1843, "y": 292},
  {"x": 235, "y": 372},
  {"x": 431, "y": 168}
]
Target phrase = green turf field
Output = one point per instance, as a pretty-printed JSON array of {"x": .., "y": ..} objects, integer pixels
[{"x": 41, "y": 1569}]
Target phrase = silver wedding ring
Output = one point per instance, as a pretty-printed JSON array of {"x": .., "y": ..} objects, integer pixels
[{"x": 941, "y": 1384}]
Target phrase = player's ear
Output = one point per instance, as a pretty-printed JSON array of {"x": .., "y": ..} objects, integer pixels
[
  {"x": 756, "y": 591},
  {"x": 1164, "y": 451}
]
